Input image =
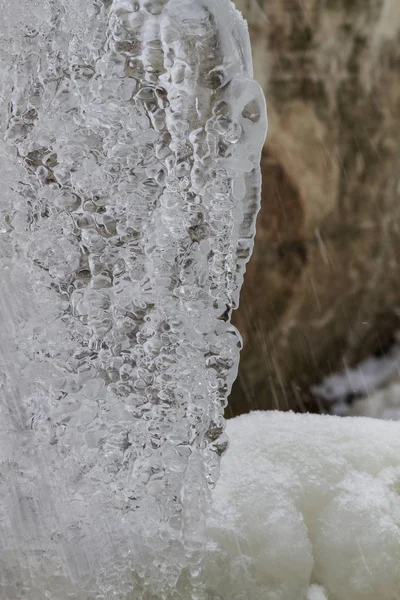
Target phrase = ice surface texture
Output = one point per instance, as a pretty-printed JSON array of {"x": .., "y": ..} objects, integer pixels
[
  {"x": 130, "y": 186},
  {"x": 307, "y": 507}
]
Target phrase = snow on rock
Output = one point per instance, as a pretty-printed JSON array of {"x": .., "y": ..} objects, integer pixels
[
  {"x": 371, "y": 389},
  {"x": 316, "y": 592},
  {"x": 307, "y": 508},
  {"x": 382, "y": 404},
  {"x": 371, "y": 374}
]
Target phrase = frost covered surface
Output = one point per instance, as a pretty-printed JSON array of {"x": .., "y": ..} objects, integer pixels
[
  {"x": 130, "y": 186},
  {"x": 307, "y": 508}
]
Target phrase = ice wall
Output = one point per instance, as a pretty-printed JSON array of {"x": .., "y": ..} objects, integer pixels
[{"x": 130, "y": 186}]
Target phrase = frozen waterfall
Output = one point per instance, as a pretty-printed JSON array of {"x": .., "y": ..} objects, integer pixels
[{"x": 131, "y": 133}]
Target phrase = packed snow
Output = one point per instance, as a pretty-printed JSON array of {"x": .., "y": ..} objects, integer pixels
[{"x": 307, "y": 508}]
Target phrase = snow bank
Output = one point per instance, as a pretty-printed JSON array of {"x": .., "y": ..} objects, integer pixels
[{"x": 307, "y": 508}]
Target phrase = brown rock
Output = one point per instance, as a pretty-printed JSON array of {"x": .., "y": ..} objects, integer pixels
[{"x": 323, "y": 286}]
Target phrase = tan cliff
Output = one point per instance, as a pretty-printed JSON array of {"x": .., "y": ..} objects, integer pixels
[{"x": 323, "y": 287}]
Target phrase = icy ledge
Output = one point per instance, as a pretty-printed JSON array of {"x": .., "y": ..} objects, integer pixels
[{"x": 307, "y": 508}]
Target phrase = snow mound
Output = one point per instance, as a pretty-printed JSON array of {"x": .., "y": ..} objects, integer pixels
[{"x": 307, "y": 508}]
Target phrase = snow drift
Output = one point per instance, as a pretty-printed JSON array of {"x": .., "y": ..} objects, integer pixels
[{"x": 307, "y": 507}]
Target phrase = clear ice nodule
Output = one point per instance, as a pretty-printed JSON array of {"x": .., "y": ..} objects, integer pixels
[{"x": 131, "y": 133}]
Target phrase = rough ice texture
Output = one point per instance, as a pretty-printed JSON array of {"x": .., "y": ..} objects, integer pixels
[
  {"x": 130, "y": 186},
  {"x": 307, "y": 508}
]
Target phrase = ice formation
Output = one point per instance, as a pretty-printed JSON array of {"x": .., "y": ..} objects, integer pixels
[
  {"x": 130, "y": 186},
  {"x": 307, "y": 508}
]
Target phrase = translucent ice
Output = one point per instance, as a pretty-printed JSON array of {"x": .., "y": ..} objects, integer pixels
[{"x": 130, "y": 186}]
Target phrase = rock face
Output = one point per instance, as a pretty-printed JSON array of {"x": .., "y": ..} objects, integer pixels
[{"x": 323, "y": 286}]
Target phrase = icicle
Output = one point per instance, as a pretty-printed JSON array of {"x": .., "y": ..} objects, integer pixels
[{"x": 131, "y": 187}]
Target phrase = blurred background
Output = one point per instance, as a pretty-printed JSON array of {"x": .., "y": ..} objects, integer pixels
[{"x": 320, "y": 306}]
